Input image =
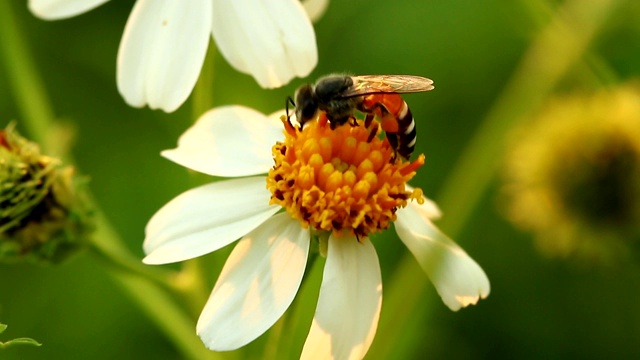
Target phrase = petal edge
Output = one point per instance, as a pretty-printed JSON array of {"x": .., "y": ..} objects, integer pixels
[
  {"x": 257, "y": 284},
  {"x": 228, "y": 141},
  {"x": 459, "y": 280},
  {"x": 62, "y": 9},
  {"x": 206, "y": 218}
]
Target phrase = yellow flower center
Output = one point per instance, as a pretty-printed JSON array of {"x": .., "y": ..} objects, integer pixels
[{"x": 345, "y": 181}]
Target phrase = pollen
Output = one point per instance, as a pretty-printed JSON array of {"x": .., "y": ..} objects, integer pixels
[{"x": 346, "y": 180}]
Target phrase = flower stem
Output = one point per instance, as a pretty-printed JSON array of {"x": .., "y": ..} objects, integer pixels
[
  {"x": 107, "y": 245},
  {"x": 162, "y": 310},
  {"x": 202, "y": 99},
  {"x": 136, "y": 279},
  {"x": 190, "y": 284},
  {"x": 274, "y": 339},
  {"x": 300, "y": 313},
  {"x": 29, "y": 91},
  {"x": 557, "y": 47}
]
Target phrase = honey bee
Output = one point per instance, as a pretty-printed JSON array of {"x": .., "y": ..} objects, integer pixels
[{"x": 375, "y": 95}]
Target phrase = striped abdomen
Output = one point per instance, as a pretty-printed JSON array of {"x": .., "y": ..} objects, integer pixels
[{"x": 396, "y": 120}]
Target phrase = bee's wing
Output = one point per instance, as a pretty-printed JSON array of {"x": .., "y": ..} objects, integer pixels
[{"x": 401, "y": 84}]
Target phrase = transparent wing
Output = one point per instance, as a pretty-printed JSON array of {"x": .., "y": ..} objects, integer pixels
[{"x": 400, "y": 84}]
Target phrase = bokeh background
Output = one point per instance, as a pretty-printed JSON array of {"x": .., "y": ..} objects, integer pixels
[{"x": 539, "y": 307}]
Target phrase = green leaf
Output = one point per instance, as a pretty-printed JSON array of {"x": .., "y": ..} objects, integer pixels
[{"x": 18, "y": 341}]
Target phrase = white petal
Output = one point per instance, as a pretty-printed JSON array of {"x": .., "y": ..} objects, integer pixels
[
  {"x": 206, "y": 218},
  {"x": 315, "y": 8},
  {"x": 256, "y": 285},
  {"x": 229, "y": 141},
  {"x": 459, "y": 280},
  {"x": 62, "y": 9},
  {"x": 272, "y": 40},
  {"x": 162, "y": 51},
  {"x": 348, "y": 309}
]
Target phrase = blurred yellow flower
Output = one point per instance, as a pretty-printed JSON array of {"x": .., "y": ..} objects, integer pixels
[{"x": 573, "y": 176}]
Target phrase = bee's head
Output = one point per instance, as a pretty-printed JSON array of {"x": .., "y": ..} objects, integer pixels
[{"x": 306, "y": 104}]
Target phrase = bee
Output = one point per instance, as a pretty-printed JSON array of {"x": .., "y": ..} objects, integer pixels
[{"x": 374, "y": 95}]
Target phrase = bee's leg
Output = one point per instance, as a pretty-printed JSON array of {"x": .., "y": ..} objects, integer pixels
[
  {"x": 393, "y": 141},
  {"x": 287, "y": 102},
  {"x": 373, "y": 132},
  {"x": 353, "y": 121},
  {"x": 368, "y": 120}
]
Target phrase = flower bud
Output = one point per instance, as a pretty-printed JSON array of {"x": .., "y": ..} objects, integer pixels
[{"x": 43, "y": 215}]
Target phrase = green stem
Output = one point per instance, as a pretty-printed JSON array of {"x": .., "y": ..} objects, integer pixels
[
  {"x": 557, "y": 47},
  {"x": 29, "y": 91},
  {"x": 274, "y": 339},
  {"x": 192, "y": 280},
  {"x": 301, "y": 312},
  {"x": 131, "y": 274},
  {"x": 162, "y": 310},
  {"x": 191, "y": 285},
  {"x": 202, "y": 99},
  {"x": 108, "y": 246}
]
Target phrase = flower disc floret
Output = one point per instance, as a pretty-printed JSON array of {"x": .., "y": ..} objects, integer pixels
[{"x": 345, "y": 180}]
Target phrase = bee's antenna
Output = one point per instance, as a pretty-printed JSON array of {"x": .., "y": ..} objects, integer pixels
[{"x": 286, "y": 104}]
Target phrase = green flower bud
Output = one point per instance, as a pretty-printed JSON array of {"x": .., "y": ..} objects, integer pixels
[
  {"x": 43, "y": 215},
  {"x": 573, "y": 176}
]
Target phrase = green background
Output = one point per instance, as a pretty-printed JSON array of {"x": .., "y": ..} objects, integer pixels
[{"x": 538, "y": 307}]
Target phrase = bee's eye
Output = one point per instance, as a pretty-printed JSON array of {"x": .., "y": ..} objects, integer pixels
[
  {"x": 306, "y": 111},
  {"x": 309, "y": 110},
  {"x": 306, "y": 104}
]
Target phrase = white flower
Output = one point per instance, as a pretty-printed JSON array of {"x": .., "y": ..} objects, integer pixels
[
  {"x": 165, "y": 42},
  {"x": 265, "y": 269}
]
